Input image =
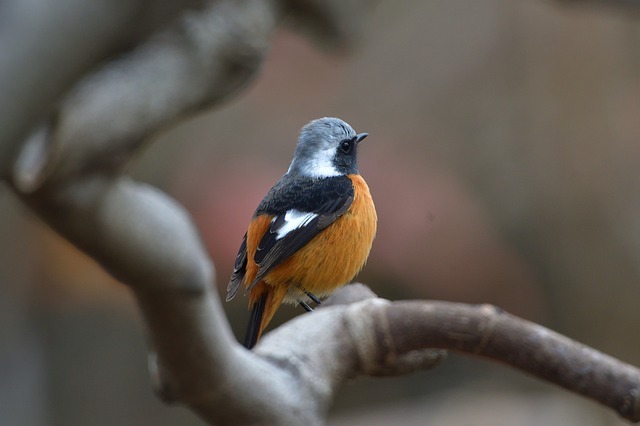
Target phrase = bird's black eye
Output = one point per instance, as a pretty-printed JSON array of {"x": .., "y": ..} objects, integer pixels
[{"x": 346, "y": 146}]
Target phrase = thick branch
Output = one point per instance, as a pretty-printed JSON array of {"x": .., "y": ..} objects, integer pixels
[
  {"x": 375, "y": 336},
  {"x": 488, "y": 332},
  {"x": 401, "y": 328},
  {"x": 109, "y": 114},
  {"x": 41, "y": 56}
]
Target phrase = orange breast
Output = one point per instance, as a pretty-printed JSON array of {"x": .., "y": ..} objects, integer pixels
[{"x": 335, "y": 255}]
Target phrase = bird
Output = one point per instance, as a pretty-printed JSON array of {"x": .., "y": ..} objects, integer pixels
[{"x": 312, "y": 232}]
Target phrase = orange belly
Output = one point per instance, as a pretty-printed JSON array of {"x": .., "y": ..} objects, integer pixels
[{"x": 335, "y": 255}]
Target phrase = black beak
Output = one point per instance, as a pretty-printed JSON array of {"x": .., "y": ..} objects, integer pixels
[{"x": 361, "y": 136}]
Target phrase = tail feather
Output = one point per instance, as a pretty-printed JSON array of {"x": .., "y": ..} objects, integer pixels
[
  {"x": 255, "y": 320},
  {"x": 264, "y": 302}
]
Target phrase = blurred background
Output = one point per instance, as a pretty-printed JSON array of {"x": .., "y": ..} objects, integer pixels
[{"x": 503, "y": 159}]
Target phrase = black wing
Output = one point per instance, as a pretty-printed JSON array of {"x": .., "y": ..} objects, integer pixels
[
  {"x": 324, "y": 200},
  {"x": 239, "y": 269}
]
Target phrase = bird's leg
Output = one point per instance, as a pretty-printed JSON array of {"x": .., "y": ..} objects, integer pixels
[
  {"x": 306, "y": 306},
  {"x": 313, "y": 297}
]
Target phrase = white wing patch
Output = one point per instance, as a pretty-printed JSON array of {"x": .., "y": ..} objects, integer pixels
[{"x": 294, "y": 219}]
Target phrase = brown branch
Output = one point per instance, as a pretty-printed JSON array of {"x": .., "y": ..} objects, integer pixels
[
  {"x": 488, "y": 332},
  {"x": 404, "y": 327},
  {"x": 318, "y": 352}
]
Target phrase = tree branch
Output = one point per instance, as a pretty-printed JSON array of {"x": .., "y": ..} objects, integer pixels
[
  {"x": 491, "y": 333},
  {"x": 396, "y": 337},
  {"x": 106, "y": 118}
]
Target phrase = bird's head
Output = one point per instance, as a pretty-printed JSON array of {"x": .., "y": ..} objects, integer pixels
[{"x": 326, "y": 147}]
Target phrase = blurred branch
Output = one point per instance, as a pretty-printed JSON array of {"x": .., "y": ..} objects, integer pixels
[
  {"x": 201, "y": 59},
  {"x": 186, "y": 56},
  {"x": 40, "y": 35}
]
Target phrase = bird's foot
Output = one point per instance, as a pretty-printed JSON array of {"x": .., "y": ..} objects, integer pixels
[
  {"x": 313, "y": 298},
  {"x": 306, "y": 306}
]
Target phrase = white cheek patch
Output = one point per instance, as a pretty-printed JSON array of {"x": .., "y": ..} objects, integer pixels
[
  {"x": 320, "y": 165},
  {"x": 320, "y": 168},
  {"x": 294, "y": 219}
]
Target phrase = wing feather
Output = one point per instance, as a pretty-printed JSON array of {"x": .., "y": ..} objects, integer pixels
[
  {"x": 239, "y": 270},
  {"x": 275, "y": 247}
]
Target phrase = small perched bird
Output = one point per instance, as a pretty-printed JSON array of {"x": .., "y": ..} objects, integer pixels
[{"x": 312, "y": 232}]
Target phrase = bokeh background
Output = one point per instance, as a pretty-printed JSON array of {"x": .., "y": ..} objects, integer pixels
[{"x": 504, "y": 161}]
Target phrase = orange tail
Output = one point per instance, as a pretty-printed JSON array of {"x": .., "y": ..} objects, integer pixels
[{"x": 264, "y": 301}]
